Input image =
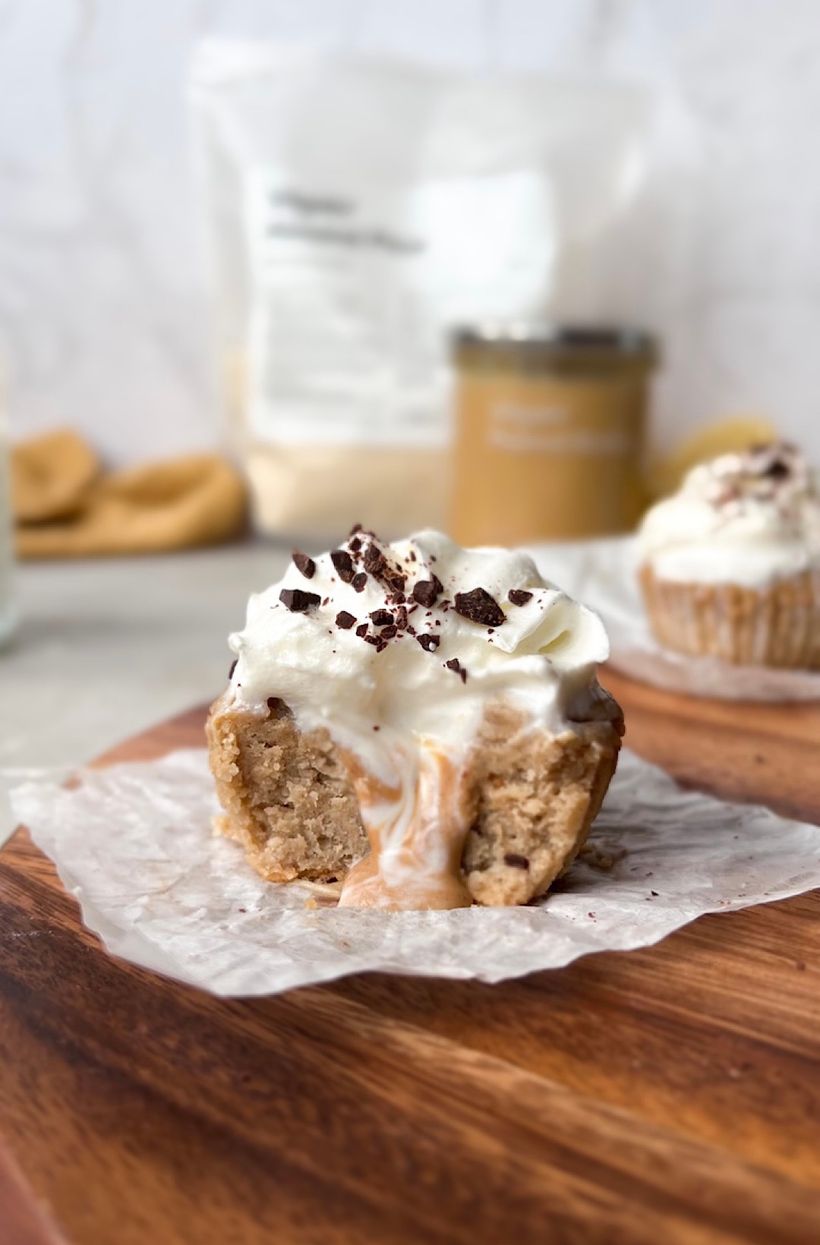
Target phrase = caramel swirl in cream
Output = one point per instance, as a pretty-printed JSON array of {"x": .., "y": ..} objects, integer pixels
[{"x": 416, "y": 837}]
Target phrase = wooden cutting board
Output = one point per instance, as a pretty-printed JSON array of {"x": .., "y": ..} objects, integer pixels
[{"x": 669, "y": 1094}]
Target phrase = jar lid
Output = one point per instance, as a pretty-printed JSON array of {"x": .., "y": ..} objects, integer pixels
[{"x": 550, "y": 343}]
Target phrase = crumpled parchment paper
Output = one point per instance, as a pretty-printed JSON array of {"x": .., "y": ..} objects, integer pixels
[
  {"x": 134, "y": 844},
  {"x": 602, "y": 574}
]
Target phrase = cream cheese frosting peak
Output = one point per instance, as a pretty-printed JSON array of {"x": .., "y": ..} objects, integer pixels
[
  {"x": 747, "y": 518},
  {"x": 392, "y": 631}
]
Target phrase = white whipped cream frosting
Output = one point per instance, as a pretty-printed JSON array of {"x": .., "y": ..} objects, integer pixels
[
  {"x": 747, "y": 519},
  {"x": 542, "y": 657}
]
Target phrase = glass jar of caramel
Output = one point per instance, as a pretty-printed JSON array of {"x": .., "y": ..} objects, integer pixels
[{"x": 549, "y": 431}]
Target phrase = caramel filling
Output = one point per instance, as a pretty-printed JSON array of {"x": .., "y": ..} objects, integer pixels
[{"x": 416, "y": 831}]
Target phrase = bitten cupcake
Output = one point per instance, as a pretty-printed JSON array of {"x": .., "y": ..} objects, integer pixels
[
  {"x": 418, "y": 724},
  {"x": 730, "y": 564}
]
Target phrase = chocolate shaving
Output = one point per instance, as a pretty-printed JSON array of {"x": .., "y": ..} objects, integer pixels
[
  {"x": 515, "y": 861},
  {"x": 455, "y": 664},
  {"x": 304, "y": 563},
  {"x": 297, "y": 600},
  {"x": 233, "y": 667},
  {"x": 382, "y": 618},
  {"x": 401, "y": 617},
  {"x": 374, "y": 560},
  {"x": 389, "y": 632},
  {"x": 343, "y": 562},
  {"x": 479, "y": 607},
  {"x": 358, "y": 581},
  {"x": 345, "y": 620},
  {"x": 426, "y": 591},
  {"x": 395, "y": 580},
  {"x": 429, "y": 642},
  {"x": 519, "y": 596},
  {"x": 361, "y": 630},
  {"x": 377, "y": 564},
  {"x": 777, "y": 470}
]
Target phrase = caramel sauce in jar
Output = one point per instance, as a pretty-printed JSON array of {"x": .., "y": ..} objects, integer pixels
[{"x": 549, "y": 432}]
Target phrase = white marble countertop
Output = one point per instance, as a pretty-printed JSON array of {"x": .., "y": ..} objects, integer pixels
[{"x": 106, "y": 648}]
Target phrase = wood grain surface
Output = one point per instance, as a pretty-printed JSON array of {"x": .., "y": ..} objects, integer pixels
[{"x": 668, "y": 1094}]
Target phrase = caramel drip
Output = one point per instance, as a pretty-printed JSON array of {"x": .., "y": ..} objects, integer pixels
[{"x": 416, "y": 837}]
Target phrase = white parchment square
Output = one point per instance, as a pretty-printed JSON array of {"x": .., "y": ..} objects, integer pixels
[{"x": 133, "y": 843}]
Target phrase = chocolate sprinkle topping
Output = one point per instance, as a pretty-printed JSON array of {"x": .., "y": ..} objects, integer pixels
[
  {"x": 358, "y": 581},
  {"x": 378, "y": 565},
  {"x": 304, "y": 563},
  {"x": 374, "y": 560},
  {"x": 361, "y": 630},
  {"x": 479, "y": 607},
  {"x": 455, "y": 664},
  {"x": 389, "y": 632},
  {"x": 429, "y": 642},
  {"x": 233, "y": 667},
  {"x": 343, "y": 562},
  {"x": 382, "y": 618},
  {"x": 519, "y": 596},
  {"x": 778, "y": 470},
  {"x": 401, "y": 617},
  {"x": 516, "y": 862},
  {"x": 297, "y": 600},
  {"x": 345, "y": 620},
  {"x": 426, "y": 591}
]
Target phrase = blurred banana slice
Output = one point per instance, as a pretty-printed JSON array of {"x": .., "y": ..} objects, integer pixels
[{"x": 736, "y": 432}]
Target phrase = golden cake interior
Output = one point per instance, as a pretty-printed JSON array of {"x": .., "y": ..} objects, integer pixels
[{"x": 290, "y": 799}]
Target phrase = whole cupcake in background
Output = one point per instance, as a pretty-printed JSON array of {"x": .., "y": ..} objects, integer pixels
[{"x": 730, "y": 564}]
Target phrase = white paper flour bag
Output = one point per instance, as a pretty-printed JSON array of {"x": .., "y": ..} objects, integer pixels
[{"x": 358, "y": 209}]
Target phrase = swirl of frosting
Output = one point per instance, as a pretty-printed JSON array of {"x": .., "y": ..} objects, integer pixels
[
  {"x": 747, "y": 518},
  {"x": 416, "y": 635}
]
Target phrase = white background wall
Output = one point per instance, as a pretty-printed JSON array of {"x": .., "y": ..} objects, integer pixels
[{"x": 103, "y": 313}]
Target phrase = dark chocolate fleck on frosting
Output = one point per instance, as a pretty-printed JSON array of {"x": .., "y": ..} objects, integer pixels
[
  {"x": 427, "y": 590},
  {"x": 374, "y": 560},
  {"x": 304, "y": 563},
  {"x": 345, "y": 620},
  {"x": 777, "y": 470},
  {"x": 343, "y": 562},
  {"x": 359, "y": 580},
  {"x": 428, "y": 642},
  {"x": 297, "y": 600},
  {"x": 479, "y": 607},
  {"x": 519, "y": 596},
  {"x": 455, "y": 664},
  {"x": 378, "y": 565},
  {"x": 382, "y": 618}
]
